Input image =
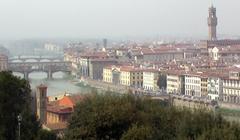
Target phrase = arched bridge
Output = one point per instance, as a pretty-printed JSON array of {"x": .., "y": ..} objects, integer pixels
[
  {"x": 49, "y": 67},
  {"x": 36, "y": 59}
]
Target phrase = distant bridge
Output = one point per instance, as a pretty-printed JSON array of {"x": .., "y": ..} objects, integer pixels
[
  {"x": 49, "y": 67},
  {"x": 35, "y": 59}
]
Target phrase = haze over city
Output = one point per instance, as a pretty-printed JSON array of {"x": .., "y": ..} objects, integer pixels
[
  {"x": 119, "y": 70},
  {"x": 110, "y": 18}
]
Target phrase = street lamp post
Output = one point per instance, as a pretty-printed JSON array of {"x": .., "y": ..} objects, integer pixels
[{"x": 19, "y": 117}]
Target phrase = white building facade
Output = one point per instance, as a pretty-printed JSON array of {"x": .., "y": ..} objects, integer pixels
[
  {"x": 215, "y": 88},
  {"x": 192, "y": 85},
  {"x": 231, "y": 90},
  {"x": 150, "y": 78}
]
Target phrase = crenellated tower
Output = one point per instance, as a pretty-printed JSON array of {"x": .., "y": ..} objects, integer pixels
[{"x": 212, "y": 23}]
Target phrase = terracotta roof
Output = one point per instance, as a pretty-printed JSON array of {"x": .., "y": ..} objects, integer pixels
[
  {"x": 122, "y": 49},
  {"x": 103, "y": 60},
  {"x": 214, "y": 74},
  {"x": 109, "y": 67},
  {"x": 151, "y": 70},
  {"x": 175, "y": 72},
  {"x": 94, "y": 55},
  {"x": 131, "y": 69},
  {"x": 163, "y": 52},
  {"x": 58, "y": 109},
  {"x": 64, "y": 105}
]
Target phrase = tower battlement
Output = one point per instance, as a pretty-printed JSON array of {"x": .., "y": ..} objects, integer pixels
[{"x": 212, "y": 23}]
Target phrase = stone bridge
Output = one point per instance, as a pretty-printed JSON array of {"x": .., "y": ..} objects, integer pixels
[
  {"x": 36, "y": 59},
  {"x": 49, "y": 67}
]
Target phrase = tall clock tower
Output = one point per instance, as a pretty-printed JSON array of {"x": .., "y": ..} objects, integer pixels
[{"x": 212, "y": 23}]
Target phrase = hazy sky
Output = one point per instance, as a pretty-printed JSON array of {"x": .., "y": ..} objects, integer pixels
[{"x": 112, "y": 18}]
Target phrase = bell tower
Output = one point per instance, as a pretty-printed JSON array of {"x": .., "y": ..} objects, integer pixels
[
  {"x": 212, "y": 23},
  {"x": 41, "y": 103}
]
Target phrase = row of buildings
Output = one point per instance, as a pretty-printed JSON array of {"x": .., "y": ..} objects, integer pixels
[
  {"x": 208, "y": 69},
  {"x": 212, "y": 85},
  {"x": 184, "y": 69}
]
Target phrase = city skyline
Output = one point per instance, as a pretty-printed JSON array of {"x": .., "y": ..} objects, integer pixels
[{"x": 93, "y": 19}]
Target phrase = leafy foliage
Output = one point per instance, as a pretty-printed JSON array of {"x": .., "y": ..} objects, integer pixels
[
  {"x": 138, "y": 133},
  {"x": 45, "y": 135},
  {"x": 15, "y": 99},
  {"x": 105, "y": 117}
]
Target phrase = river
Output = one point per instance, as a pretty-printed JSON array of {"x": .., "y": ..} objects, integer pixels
[{"x": 60, "y": 84}]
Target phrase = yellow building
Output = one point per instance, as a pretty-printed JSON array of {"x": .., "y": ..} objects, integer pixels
[
  {"x": 107, "y": 74},
  {"x": 111, "y": 74},
  {"x": 204, "y": 85},
  {"x": 124, "y": 75},
  {"x": 131, "y": 76},
  {"x": 174, "y": 82},
  {"x": 137, "y": 78}
]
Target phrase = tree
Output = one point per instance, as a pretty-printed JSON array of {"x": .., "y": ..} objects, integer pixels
[
  {"x": 15, "y": 99},
  {"x": 111, "y": 116},
  {"x": 46, "y": 135},
  {"x": 139, "y": 133},
  {"x": 101, "y": 117},
  {"x": 126, "y": 117}
]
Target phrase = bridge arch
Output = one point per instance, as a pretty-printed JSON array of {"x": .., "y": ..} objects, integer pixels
[
  {"x": 17, "y": 61},
  {"x": 31, "y": 60},
  {"x": 38, "y": 75},
  {"x": 56, "y": 60},
  {"x": 59, "y": 74},
  {"x": 48, "y": 67},
  {"x": 45, "y": 60},
  {"x": 36, "y": 59}
]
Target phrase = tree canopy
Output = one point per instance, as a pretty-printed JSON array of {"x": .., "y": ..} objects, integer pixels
[
  {"x": 114, "y": 117},
  {"x": 15, "y": 99}
]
